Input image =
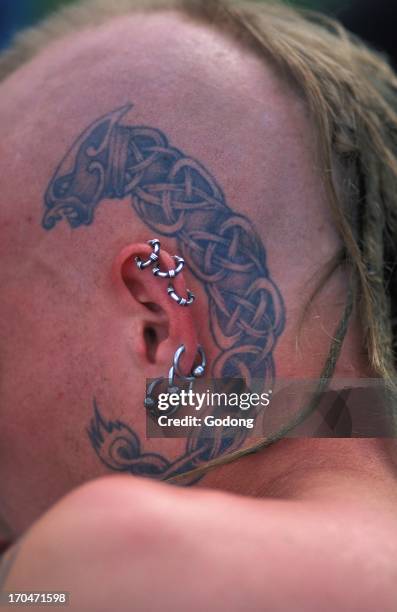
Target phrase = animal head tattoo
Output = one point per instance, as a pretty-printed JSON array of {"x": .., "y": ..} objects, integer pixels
[{"x": 175, "y": 196}]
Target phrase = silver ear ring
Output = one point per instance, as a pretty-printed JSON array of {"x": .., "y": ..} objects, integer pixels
[
  {"x": 197, "y": 371},
  {"x": 172, "y": 386},
  {"x": 180, "y": 262},
  {"x": 170, "y": 273},
  {"x": 153, "y": 257},
  {"x": 181, "y": 300},
  {"x": 149, "y": 402}
]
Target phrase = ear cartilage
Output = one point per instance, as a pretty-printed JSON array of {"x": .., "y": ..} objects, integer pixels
[
  {"x": 181, "y": 300},
  {"x": 153, "y": 257},
  {"x": 170, "y": 273}
]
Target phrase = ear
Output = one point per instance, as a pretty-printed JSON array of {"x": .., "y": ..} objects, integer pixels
[{"x": 160, "y": 324}]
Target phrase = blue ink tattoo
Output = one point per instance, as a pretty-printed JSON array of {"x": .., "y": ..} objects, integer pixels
[
  {"x": 119, "y": 448},
  {"x": 175, "y": 196}
]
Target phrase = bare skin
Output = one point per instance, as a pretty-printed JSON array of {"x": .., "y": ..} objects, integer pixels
[
  {"x": 74, "y": 320},
  {"x": 118, "y": 542}
]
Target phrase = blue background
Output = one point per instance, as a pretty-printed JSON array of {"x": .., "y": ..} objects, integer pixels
[{"x": 373, "y": 20}]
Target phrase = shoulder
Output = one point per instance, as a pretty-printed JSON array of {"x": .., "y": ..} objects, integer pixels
[
  {"x": 200, "y": 547},
  {"x": 119, "y": 537}
]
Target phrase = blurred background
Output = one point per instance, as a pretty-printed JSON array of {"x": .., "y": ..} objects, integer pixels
[{"x": 372, "y": 20}]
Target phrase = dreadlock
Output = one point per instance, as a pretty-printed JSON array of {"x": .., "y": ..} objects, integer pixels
[{"x": 351, "y": 93}]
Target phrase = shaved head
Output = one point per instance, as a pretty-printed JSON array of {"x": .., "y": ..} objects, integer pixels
[
  {"x": 149, "y": 125},
  {"x": 235, "y": 116}
]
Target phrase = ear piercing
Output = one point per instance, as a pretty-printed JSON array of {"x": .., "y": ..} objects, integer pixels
[
  {"x": 155, "y": 244},
  {"x": 172, "y": 273},
  {"x": 178, "y": 299},
  {"x": 173, "y": 385},
  {"x": 175, "y": 380},
  {"x": 198, "y": 371}
]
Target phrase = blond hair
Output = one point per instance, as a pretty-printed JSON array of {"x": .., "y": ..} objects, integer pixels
[{"x": 352, "y": 95}]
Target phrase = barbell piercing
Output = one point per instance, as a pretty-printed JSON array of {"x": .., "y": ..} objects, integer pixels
[
  {"x": 181, "y": 300},
  {"x": 153, "y": 257},
  {"x": 170, "y": 273}
]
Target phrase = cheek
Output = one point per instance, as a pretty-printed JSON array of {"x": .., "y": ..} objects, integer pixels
[
  {"x": 45, "y": 407},
  {"x": 44, "y": 446}
]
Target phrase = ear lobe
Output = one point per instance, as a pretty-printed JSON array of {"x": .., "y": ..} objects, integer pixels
[{"x": 162, "y": 325}]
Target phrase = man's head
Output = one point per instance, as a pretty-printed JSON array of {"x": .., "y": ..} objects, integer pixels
[{"x": 228, "y": 142}]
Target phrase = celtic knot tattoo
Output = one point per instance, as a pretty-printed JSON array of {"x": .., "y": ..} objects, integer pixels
[{"x": 175, "y": 196}]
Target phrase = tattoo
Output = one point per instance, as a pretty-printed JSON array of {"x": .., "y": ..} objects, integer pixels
[
  {"x": 7, "y": 562},
  {"x": 176, "y": 197},
  {"x": 119, "y": 448}
]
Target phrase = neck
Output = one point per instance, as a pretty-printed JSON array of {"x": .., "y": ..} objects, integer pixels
[{"x": 314, "y": 468}]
